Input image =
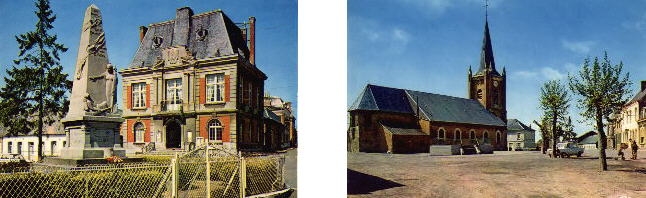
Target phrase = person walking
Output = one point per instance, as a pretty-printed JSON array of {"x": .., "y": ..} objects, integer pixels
[{"x": 633, "y": 146}]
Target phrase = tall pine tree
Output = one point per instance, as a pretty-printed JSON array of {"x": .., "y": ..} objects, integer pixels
[{"x": 34, "y": 91}]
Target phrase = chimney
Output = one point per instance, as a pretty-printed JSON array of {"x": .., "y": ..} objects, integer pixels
[
  {"x": 182, "y": 26},
  {"x": 142, "y": 33},
  {"x": 643, "y": 85},
  {"x": 252, "y": 40}
]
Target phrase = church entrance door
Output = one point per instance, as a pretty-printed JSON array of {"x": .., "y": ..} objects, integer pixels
[{"x": 173, "y": 135}]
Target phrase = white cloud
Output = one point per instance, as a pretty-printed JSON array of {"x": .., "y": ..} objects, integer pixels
[
  {"x": 525, "y": 74},
  {"x": 552, "y": 74},
  {"x": 582, "y": 47},
  {"x": 400, "y": 35}
]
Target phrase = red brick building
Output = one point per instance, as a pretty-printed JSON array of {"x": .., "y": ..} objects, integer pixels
[
  {"x": 194, "y": 80},
  {"x": 384, "y": 119}
]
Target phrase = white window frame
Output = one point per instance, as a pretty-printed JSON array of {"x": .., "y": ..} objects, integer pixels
[
  {"x": 139, "y": 129},
  {"x": 9, "y": 147},
  {"x": 215, "y": 130},
  {"x": 174, "y": 93},
  {"x": 442, "y": 132},
  {"x": 215, "y": 88},
  {"x": 139, "y": 95}
]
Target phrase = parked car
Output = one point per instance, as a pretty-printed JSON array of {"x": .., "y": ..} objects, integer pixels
[{"x": 566, "y": 149}]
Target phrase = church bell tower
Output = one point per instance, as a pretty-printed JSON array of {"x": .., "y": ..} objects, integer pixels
[{"x": 487, "y": 86}]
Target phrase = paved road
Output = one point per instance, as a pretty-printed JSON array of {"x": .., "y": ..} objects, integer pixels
[
  {"x": 503, "y": 174},
  {"x": 290, "y": 169}
]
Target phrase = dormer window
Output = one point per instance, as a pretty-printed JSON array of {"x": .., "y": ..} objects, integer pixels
[
  {"x": 157, "y": 41},
  {"x": 201, "y": 34}
]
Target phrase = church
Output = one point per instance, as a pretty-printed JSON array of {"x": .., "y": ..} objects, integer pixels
[{"x": 394, "y": 120}]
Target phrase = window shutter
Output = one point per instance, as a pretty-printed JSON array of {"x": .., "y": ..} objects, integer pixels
[
  {"x": 147, "y": 95},
  {"x": 147, "y": 130},
  {"x": 202, "y": 90},
  {"x": 226, "y": 129},
  {"x": 130, "y": 132},
  {"x": 203, "y": 127},
  {"x": 227, "y": 88},
  {"x": 128, "y": 97}
]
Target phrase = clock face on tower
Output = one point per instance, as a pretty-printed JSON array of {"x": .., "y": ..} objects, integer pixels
[{"x": 495, "y": 83}]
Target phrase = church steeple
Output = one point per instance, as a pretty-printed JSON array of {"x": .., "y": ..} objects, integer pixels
[
  {"x": 487, "y": 86},
  {"x": 487, "y": 62}
]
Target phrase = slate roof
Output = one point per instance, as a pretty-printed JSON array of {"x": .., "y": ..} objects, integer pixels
[
  {"x": 588, "y": 138},
  {"x": 403, "y": 131},
  {"x": 222, "y": 38},
  {"x": 270, "y": 115},
  {"x": 382, "y": 99},
  {"x": 487, "y": 61},
  {"x": 515, "y": 125},
  {"x": 433, "y": 107},
  {"x": 640, "y": 96}
]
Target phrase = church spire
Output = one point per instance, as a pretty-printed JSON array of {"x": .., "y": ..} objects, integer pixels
[{"x": 487, "y": 62}]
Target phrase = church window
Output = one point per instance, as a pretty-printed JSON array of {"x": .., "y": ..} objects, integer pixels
[
  {"x": 441, "y": 133},
  {"x": 457, "y": 134},
  {"x": 485, "y": 136},
  {"x": 479, "y": 93},
  {"x": 138, "y": 95},
  {"x": 498, "y": 137},
  {"x": 472, "y": 134},
  {"x": 215, "y": 88},
  {"x": 139, "y": 132},
  {"x": 215, "y": 130},
  {"x": 174, "y": 93}
]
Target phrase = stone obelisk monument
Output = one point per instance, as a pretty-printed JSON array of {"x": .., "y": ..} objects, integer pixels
[{"x": 92, "y": 124}]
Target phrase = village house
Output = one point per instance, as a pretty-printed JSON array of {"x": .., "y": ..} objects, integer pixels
[
  {"x": 384, "y": 119},
  {"x": 630, "y": 123},
  {"x": 24, "y": 145},
  {"x": 520, "y": 137},
  {"x": 283, "y": 110},
  {"x": 194, "y": 80}
]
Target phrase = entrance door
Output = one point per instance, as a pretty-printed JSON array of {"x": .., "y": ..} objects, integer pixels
[{"x": 173, "y": 135}]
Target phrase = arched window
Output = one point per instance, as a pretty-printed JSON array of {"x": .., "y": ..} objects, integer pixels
[
  {"x": 215, "y": 130},
  {"x": 457, "y": 134},
  {"x": 139, "y": 132},
  {"x": 441, "y": 133},
  {"x": 498, "y": 137},
  {"x": 485, "y": 136},
  {"x": 472, "y": 134}
]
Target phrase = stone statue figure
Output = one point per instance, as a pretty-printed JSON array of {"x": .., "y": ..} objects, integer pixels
[
  {"x": 110, "y": 85},
  {"x": 92, "y": 109}
]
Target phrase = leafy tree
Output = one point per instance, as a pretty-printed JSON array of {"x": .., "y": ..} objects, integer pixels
[
  {"x": 554, "y": 103},
  {"x": 37, "y": 89},
  {"x": 603, "y": 89}
]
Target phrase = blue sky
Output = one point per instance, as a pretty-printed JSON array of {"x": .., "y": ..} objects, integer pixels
[
  {"x": 276, "y": 32},
  {"x": 428, "y": 45}
]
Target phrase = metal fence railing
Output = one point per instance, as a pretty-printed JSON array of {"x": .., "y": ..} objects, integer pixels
[{"x": 196, "y": 173}]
